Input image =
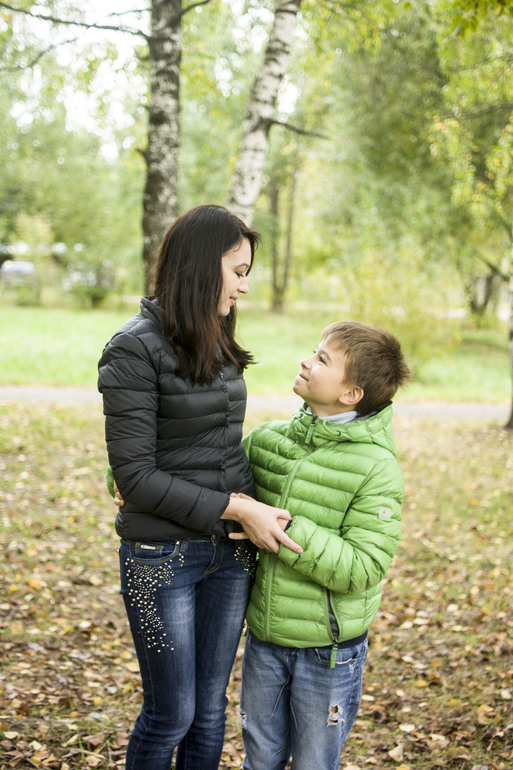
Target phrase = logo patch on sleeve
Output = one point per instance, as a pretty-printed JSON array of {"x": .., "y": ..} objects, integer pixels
[{"x": 385, "y": 514}]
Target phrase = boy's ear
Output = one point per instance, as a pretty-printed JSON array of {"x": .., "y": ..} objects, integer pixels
[{"x": 352, "y": 395}]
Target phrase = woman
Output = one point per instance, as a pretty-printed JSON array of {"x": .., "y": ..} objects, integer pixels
[{"x": 174, "y": 403}]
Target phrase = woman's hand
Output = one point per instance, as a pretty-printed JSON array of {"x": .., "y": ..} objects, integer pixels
[{"x": 263, "y": 524}]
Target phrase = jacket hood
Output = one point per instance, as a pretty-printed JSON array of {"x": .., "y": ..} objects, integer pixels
[{"x": 377, "y": 429}]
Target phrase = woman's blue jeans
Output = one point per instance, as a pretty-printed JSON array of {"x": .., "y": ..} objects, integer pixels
[
  {"x": 294, "y": 704},
  {"x": 185, "y": 602}
]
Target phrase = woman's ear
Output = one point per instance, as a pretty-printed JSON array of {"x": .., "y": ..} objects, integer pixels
[{"x": 351, "y": 395}]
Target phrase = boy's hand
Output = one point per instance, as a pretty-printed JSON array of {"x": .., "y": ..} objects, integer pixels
[
  {"x": 263, "y": 524},
  {"x": 118, "y": 500}
]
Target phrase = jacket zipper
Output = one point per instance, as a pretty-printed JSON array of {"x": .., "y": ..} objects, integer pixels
[
  {"x": 333, "y": 621},
  {"x": 298, "y": 462},
  {"x": 334, "y": 630},
  {"x": 283, "y": 498}
]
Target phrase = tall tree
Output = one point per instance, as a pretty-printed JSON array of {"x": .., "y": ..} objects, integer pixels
[
  {"x": 260, "y": 115},
  {"x": 164, "y": 51},
  {"x": 160, "y": 202},
  {"x": 475, "y": 135}
]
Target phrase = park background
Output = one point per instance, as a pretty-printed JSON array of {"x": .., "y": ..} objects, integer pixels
[{"x": 385, "y": 196}]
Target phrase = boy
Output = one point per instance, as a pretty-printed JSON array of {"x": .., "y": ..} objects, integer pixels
[{"x": 333, "y": 466}]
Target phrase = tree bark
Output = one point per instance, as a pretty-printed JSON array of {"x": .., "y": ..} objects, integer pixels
[
  {"x": 160, "y": 201},
  {"x": 290, "y": 230},
  {"x": 280, "y": 276},
  {"x": 248, "y": 171},
  {"x": 274, "y": 211}
]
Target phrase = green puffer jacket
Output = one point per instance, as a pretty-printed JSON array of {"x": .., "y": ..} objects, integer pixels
[{"x": 343, "y": 488}]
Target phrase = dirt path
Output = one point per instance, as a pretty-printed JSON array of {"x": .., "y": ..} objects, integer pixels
[{"x": 285, "y": 404}]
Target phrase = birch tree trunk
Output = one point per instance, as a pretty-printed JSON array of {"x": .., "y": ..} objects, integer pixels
[
  {"x": 160, "y": 201},
  {"x": 247, "y": 174}
]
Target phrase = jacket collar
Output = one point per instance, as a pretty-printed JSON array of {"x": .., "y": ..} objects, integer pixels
[{"x": 377, "y": 429}]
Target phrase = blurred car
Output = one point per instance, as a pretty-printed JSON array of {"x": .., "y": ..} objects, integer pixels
[{"x": 18, "y": 272}]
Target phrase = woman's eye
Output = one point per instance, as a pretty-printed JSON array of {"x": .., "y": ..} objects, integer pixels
[{"x": 321, "y": 359}]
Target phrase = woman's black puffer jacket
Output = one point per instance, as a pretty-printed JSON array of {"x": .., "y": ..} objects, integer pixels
[{"x": 175, "y": 447}]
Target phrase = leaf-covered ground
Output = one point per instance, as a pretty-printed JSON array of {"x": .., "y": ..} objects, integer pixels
[{"x": 438, "y": 684}]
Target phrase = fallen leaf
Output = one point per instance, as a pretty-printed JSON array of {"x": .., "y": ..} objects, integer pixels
[{"x": 397, "y": 753}]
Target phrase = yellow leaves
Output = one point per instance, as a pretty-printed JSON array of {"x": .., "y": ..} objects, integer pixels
[
  {"x": 485, "y": 714},
  {"x": 436, "y": 683},
  {"x": 74, "y": 739},
  {"x": 36, "y": 753}
]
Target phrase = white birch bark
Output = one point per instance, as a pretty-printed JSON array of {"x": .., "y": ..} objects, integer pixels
[{"x": 247, "y": 174}]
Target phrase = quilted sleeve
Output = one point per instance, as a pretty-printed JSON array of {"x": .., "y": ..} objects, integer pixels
[{"x": 356, "y": 556}]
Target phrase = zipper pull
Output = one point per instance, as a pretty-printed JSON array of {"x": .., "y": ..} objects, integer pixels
[
  {"x": 333, "y": 657},
  {"x": 311, "y": 430}
]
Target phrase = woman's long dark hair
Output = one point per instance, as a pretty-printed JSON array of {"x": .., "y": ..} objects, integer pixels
[{"x": 188, "y": 286}]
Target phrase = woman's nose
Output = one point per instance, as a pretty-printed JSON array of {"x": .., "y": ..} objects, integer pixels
[{"x": 243, "y": 284}]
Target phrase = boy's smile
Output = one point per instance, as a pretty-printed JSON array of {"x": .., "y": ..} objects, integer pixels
[{"x": 320, "y": 383}]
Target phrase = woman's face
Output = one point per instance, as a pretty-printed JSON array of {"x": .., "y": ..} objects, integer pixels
[{"x": 235, "y": 265}]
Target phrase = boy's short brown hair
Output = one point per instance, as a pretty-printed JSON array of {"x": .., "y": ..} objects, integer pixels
[{"x": 374, "y": 361}]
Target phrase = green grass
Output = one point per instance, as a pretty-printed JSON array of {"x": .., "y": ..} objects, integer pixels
[
  {"x": 46, "y": 346},
  {"x": 439, "y": 676},
  {"x": 62, "y": 346},
  {"x": 474, "y": 370}
]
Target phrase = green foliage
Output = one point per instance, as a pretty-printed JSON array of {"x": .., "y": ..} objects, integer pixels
[
  {"x": 56, "y": 174},
  {"x": 476, "y": 138},
  {"x": 404, "y": 165},
  {"x": 91, "y": 284},
  {"x": 385, "y": 81},
  {"x": 218, "y": 69},
  {"x": 24, "y": 294},
  {"x": 468, "y": 15}
]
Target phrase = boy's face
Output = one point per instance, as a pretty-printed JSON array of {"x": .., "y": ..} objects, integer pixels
[{"x": 320, "y": 383}]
